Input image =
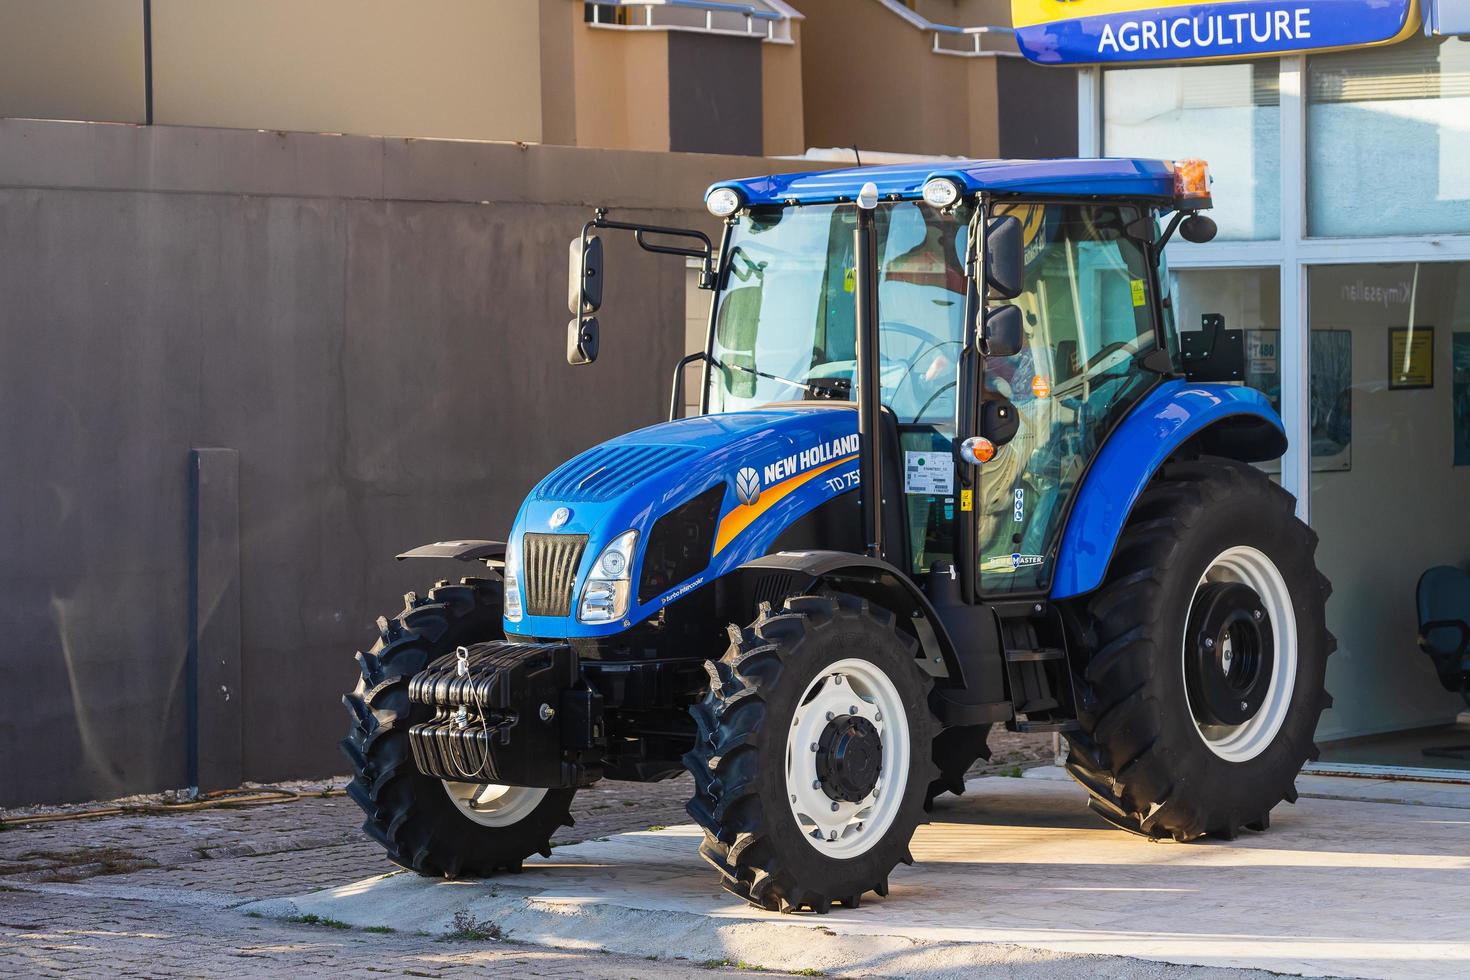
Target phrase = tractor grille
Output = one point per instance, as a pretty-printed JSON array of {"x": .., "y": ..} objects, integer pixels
[
  {"x": 549, "y": 570},
  {"x": 603, "y": 472}
]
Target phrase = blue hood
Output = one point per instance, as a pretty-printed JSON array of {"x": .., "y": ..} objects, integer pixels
[{"x": 785, "y": 462}]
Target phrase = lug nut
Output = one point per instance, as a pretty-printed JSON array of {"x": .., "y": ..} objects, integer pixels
[
  {"x": 1209, "y": 643},
  {"x": 816, "y": 784},
  {"x": 814, "y": 746},
  {"x": 877, "y": 716},
  {"x": 836, "y": 678},
  {"x": 1258, "y": 615},
  {"x": 830, "y": 716},
  {"x": 1243, "y": 706},
  {"x": 852, "y": 709},
  {"x": 547, "y": 712},
  {"x": 793, "y": 797},
  {"x": 834, "y": 806}
]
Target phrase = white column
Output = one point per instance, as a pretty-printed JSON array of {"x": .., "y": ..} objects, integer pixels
[
  {"x": 1089, "y": 112},
  {"x": 1296, "y": 360}
]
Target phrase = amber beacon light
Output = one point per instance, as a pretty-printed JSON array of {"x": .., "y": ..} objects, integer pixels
[{"x": 1191, "y": 180}]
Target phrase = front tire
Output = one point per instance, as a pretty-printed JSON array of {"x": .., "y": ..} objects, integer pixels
[
  {"x": 425, "y": 824},
  {"x": 1207, "y": 646},
  {"x": 813, "y": 755}
]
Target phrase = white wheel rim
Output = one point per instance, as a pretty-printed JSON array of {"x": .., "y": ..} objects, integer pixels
[
  {"x": 1248, "y": 566},
  {"x": 838, "y": 828},
  {"x": 494, "y": 805}
]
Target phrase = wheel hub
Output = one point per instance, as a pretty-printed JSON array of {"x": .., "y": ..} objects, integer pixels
[
  {"x": 1229, "y": 653},
  {"x": 849, "y": 758}
]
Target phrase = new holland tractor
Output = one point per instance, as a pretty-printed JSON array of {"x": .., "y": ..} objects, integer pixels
[{"x": 955, "y": 465}]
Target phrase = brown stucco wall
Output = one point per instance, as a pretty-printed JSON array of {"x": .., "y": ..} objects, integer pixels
[
  {"x": 72, "y": 59},
  {"x": 452, "y": 68}
]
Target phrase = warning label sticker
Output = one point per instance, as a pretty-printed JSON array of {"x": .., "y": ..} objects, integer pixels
[{"x": 928, "y": 473}]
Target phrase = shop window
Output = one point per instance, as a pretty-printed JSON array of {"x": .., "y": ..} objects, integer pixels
[
  {"x": 1397, "y": 507},
  {"x": 1245, "y": 299},
  {"x": 1227, "y": 114},
  {"x": 1388, "y": 140}
]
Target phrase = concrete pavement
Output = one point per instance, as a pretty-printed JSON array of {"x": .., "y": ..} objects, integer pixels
[{"x": 1361, "y": 878}]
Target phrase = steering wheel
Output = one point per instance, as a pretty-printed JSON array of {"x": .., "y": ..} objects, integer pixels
[{"x": 933, "y": 341}]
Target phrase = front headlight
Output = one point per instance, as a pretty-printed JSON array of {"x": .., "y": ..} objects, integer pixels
[
  {"x": 512, "y": 594},
  {"x": 606, "y": 592}
]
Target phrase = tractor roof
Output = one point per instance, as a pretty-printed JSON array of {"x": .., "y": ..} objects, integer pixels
[{"x": 1110, "y": 177}]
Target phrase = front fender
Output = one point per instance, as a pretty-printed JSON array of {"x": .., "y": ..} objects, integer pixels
[{"x": 1228, "y": 420}]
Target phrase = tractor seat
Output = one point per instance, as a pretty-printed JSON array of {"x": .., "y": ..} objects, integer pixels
[{"x": 1444, "y": 625}]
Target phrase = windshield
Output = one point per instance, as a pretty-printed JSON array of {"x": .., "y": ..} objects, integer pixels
[{"x": 785, "y": 328}]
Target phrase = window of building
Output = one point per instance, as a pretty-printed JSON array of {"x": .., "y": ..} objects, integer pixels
[
  {"x": 1399, "y": 508},
  {"x": 1227, "y": 114},
  {"x": 1388, "y": 140}
]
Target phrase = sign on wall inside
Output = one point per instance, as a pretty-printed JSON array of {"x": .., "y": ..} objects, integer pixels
[{"x": 1072, "y": 32}]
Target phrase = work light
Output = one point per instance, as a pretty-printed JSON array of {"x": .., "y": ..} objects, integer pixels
[
  {"x": 941, "y": 192},
  {"x": 723, "y": 202}
]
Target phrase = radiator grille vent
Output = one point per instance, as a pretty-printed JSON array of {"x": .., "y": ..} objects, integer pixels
[
  {"x": 603, "y": 472},
  {"x": 549, "y": 569}
]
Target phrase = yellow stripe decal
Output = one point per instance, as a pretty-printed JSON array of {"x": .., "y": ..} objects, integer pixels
[{"x": 745, "y": 514}]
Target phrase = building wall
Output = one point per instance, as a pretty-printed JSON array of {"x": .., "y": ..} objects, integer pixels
[
  {"x": 72, "y": 59},
  {"x": 461, "y": 68},
  {"x": 514, "y": 70},
  {"x": 715, "y": 85},
  {"x": 783, "y": 118},
  {"x": 622, "y": 86},
  {"x": 376, "y": 326},
  {"x": 874, "y": 81}
]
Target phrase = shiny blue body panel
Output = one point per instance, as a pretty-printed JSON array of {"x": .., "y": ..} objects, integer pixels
[
  {"x": 1119, "y": 178},
  {"x": 1158, "y": 425},
  {"x": 716, "y": 449}
]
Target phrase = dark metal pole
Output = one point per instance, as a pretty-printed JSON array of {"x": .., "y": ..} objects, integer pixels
[{"x": 865, "y": 296}]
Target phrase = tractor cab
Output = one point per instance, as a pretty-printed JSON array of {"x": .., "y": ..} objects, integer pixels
[{"x": 955, "y": 465}]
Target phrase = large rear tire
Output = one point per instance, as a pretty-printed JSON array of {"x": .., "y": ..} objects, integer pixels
[
  {"x": 425, "y": 824},
  {"x": 813, "y": 755},
  {"x": 1206, "y": 649}
]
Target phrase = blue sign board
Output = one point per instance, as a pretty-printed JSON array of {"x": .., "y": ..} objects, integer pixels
[{"x": 1062, "y": 32}]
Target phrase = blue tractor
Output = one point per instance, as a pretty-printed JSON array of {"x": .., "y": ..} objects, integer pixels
[{"x": 956, "y": 465}]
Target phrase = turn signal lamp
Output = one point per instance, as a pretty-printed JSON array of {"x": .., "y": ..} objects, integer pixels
[
  {"x": 976, "y": 450},
  {"x": 1191, "y": 180}
]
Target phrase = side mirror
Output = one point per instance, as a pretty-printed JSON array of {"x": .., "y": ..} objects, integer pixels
[
  {"x": 1003, "y": 333},
  {"x": 582, "y": 338},
  {"x": 1005, "y": 259},
  {"x": 584, "y": 276},
  {"x": 1198, "y": 228}
]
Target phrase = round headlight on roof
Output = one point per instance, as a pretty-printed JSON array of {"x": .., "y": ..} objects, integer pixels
[
  {"x": 941, "y": 192},
  {"x": 723, "y": 202}
]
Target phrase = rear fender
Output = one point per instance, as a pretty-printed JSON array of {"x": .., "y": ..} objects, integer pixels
[{"x": 1219, "y": 420}]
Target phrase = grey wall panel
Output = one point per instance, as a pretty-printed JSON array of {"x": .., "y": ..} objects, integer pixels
[
  {"x": 388, "y": 366},
  {"x": 714, "y": 93},
  {"x": 1038, "y": 110}
]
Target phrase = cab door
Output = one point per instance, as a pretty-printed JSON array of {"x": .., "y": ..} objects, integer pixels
[{"x": 1087, "y": 311}]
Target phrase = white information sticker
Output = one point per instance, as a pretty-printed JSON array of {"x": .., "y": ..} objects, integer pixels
[{"x": 928, "y": 473}]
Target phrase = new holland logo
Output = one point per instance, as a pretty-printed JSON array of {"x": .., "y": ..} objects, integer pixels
[{"x": 748, "y": 486}]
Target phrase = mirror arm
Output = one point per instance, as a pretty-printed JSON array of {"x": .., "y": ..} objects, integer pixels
[
  {"x": 1169, "y": 229},
  {"x": 704, "y": 252},
  {"x": 677, "y": 396}
]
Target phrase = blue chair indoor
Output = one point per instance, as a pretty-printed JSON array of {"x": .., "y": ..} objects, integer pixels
[{"x": 1444, "y": 635}]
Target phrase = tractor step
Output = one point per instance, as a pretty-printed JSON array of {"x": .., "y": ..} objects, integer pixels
[
  {"x": 1035, "y": 656},
  {"x": 1035, "y": 727}
]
